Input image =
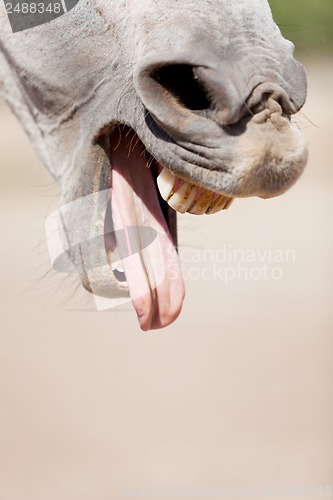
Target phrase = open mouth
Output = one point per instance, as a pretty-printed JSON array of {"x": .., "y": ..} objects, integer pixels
[
  {"x": 147, "y": 168},
  {"x": 140, "y": 227}
]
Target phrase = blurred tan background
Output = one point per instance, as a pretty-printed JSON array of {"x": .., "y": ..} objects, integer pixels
[{"x": 234, "y": 400}]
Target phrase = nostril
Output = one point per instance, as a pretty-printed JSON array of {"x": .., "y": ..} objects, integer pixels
[
  {"x": 265, "y": 92},
  {"x": 262, "y": 104},
  {"x": 181, "y": 83}
]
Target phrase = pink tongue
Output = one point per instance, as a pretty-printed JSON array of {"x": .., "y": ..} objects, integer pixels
[{"x": 153, "y": 273}]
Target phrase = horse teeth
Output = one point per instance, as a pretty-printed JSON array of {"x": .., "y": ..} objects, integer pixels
[
  {"x": 202, "y": 204},
  {"x": 165, "y": 182},
  {"x": 185, "y": 197},
  {"x": 221, "y": 203}
]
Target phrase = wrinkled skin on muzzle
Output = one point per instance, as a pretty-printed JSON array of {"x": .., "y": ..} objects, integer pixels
[{"x": 205, "y": 90}]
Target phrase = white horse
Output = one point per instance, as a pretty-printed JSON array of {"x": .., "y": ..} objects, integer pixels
[{"x": 200, "y": 92}]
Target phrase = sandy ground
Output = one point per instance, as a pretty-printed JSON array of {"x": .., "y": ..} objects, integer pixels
[{"x": 234, "y": 400}]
